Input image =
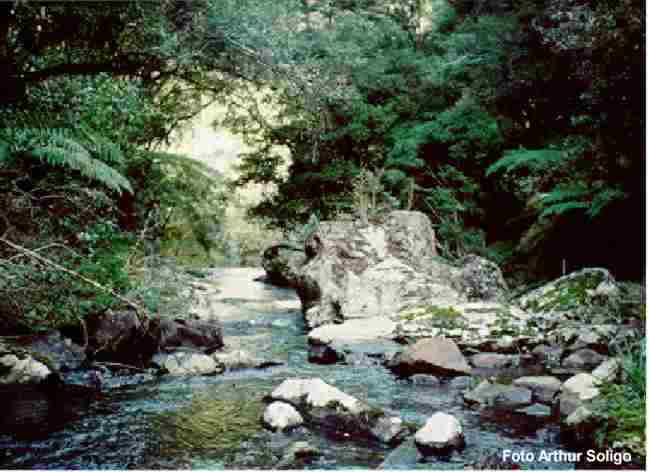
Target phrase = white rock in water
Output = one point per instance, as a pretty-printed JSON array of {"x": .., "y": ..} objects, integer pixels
[
  {"x": 315, "y": 393},
  {"x": 26, "y": 370},
  {"x": 280, "y": 416},
  {"x": 440, "y": 433},
  {"x": 186, "y": 363}
]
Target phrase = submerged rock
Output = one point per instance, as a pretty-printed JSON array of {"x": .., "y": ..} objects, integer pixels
[
  {"x": 441, "y": 434},
  {"x": 298, "y": 455},
  {"x": 327, "y": 406},
  {"x": 437, "y": 356},
  {"x": 498, "y": 396},
  {"x": 544, "y": 388},
  {"x": 280, "y": 416}
]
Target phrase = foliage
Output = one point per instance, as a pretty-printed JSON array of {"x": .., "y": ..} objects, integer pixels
[{"x": 623, "y": 406}]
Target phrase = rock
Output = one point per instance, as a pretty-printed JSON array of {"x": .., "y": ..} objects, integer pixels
[
  {"x": 608, "y": 370},
  {"x": 480, "y": 279},
  {"x": 576, "y": 391},
  {"x": 425, "y": 379},
  {"x": 493, "y": 395},
  {"x": 186, "y": 363},
  {"x": 61, "y": 353},
  {"x": 119, "y": 336},
  {"x": 324, "y": 354},
  {"x": 190, "y": 334},
  {"x": 21, "y": 368},
  {"x": 544, "y": 388},
  {"x": 357, "y": 270},
  {"x": 282, "y": 262},
  {"x": 280, "y": 416},
  {"x": 567, "y": 293},
  {"x": 437, "y": 356},
  {"x": 441, "y": 434},
  {"x": 330, "y": 408},
  {"x": 239, "y": 359},
  {"x": 298, "y": 455},
  {"x": 536, "y": 410},
  {"x": 583, "y": 359},
  {"x": 494, "y": 361},
  {"x": 353, "y": 331}
]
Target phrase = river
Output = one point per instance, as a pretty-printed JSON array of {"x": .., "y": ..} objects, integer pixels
[{"x": 126, "y": 427}]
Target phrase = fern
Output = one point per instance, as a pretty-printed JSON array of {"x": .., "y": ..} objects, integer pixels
[
  {"x": 61, "y": 148},
  {"x": 532, "y": 159}
]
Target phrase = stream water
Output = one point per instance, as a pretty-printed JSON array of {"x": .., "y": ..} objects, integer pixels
[{"x": 121, "y": 428}]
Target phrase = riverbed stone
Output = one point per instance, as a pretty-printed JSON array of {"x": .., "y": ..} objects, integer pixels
[
  {"x": 328, "y": 407},
  {"x": 441, "y": 433},
  {"x": 576, "y": 391},
  {"x": 234, "y": 359},
  {"x": 608, "y": 370},
  {"x": 461, "y": 382},
  {"x": 404, "y": 456},
  {"x": 437, "y": 356},
  {"x": 493, "y": 360},
  {"x": 583, "y": 359},
  {"x": 186, "y": 363},
  {"x": 21, "y": 368},
  {"x": 193, "y": 334},
  {"x": 499, "y": 396},
  {"x": 280, "y": 416},
  {"x": 481, "y": 279},
  {"x": 61, "y": 353},
  {"x": 544, "y": 388}
]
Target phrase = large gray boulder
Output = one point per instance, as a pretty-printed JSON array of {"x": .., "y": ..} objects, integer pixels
[
  {"x": 544, "y": 387},
  {"x": 437, "y": 356},
  {"x": 282, "y": 262},
  {"x": 578, "y": 391},
  {"x": 328, "y": 407},
  {"x": 357, "y": 270}
]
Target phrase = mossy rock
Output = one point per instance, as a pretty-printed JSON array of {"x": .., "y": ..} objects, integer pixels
[{"x": 566, "y": 293}]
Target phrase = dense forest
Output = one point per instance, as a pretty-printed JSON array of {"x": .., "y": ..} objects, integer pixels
[{"x": 516, "y": 126}]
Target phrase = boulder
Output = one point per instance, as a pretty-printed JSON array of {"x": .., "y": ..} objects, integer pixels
[
  {"x": 462, "y": 382},
  {"x": 280, "y": 416},
  {"x": 282, "y": 262},
  {"x": 357, "y": 270},
  {"x": 425, "y": 380},
  {"x": 544, "y": 388},
  {"x": 186, "y": 363},
  {"x": 585, "y": 359},
  {"x": 441, "y": 434},
  {"x": 498, "y": 396},
  {"x": 494, "y": 361},
  {"x": 21, "y": 368},
  {"x": 188, "y": 333},
  {"x": 437, "y": 356},
  {"x": 576, "y": 391},
  {"x": 480, "y": 279},
  {"x": 119, "y": 336},
  {"x": 404, "y": 456},
  {"x": 608, "y": 370},
  {"x": 330, "y": 408},
  {"x": 570, "y": 293},
  {"x": 550, "y": 355}
]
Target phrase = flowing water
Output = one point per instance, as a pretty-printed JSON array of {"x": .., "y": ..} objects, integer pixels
[{"x": 125, "y": 427}]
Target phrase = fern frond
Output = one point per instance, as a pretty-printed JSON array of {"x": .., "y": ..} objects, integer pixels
[
  {"x": 563, "y": 207},
  {"x": 532, "y": 159}
]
